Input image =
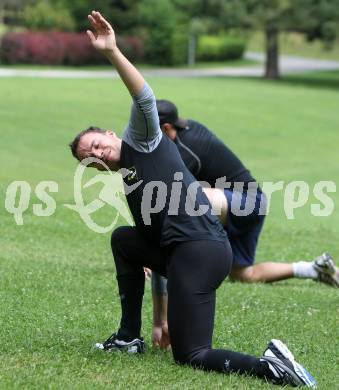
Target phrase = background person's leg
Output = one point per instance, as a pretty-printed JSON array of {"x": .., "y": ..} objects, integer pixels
[
  {"x": 195, "y": 271},
  {"x": 263, "y": 272},
  {"x": 244, "y": 232},
  {"x": 131, "y": 252},
  {"x": 322, "y": 269}
]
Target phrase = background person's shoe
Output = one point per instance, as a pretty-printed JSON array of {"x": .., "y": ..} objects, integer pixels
[
  {"x": 114, "y": 343},
  {"x": 285, "y": 370},
  {"x": 327, "y": 271}
]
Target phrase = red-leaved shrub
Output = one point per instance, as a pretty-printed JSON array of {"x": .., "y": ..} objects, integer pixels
[
  {"x": 59, "y": 48},
  {"x": 45, "y": 49},
  {"x": 79, "y": 50},
  {"x": 132, "y": 47}
]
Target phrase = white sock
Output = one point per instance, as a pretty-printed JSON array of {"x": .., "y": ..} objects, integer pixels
[{"x": 305, "y": 270}]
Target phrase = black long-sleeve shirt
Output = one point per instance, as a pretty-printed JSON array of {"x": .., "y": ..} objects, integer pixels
[
  {"x": 208, "y": 158},
  {"x": 151, "y": 157}
]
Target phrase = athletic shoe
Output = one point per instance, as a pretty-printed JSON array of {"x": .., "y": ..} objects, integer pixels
[
  {"x": 285, "y": 370},
  {"x": 327, "y": 271},
  {"x": 115, "y": 344}
]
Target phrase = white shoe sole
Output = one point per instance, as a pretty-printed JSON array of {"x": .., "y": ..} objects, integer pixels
[{"x": 301, "y": 374}]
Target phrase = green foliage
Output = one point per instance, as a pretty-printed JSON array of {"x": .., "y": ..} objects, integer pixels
[
  {"x": 316, "y": 18},
  {"x": 258, "y": 13},
  {"x": 3, "y": 29},
  {"x": 218, "y": 48},
  {"x": 329, "y": 31},
  {"x": 121, "y": 13},
  {"x": 203, "y": 17},
  {"x": 321, "y": 20},
  {"x": 295, "y": 44},
  {"x": 179, "y": 46},
  {"x": 201, "y": 8},
  {"x": 44, "y": 16},
  {"x": 159, "y": 17}
]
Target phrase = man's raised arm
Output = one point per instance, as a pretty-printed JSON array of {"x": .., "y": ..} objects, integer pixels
[
  {"x": 103, "y": 39},
  {"x": 143, "y": 131}
]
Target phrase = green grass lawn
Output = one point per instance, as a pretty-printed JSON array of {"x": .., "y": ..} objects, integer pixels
[{"x": 57, "y": 285}]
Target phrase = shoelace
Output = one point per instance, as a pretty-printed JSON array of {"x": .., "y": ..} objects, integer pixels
[
  {"x": 287, "y": 379},
  {"x": 110, "y": 340}
]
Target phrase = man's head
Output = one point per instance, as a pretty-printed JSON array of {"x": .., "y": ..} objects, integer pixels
[
  {"x": 98, "y": 143},
  {"x": 170, "y": 122}
]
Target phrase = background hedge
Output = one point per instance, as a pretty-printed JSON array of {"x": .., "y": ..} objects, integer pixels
[
  {"x": 220, "y": 48},
  {"x": 60, "y": 48}
]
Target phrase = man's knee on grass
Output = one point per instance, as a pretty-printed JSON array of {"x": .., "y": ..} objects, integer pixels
[{"x": 191, "y": 358}]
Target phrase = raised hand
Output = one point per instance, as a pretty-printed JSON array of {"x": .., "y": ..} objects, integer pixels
[{"x": 103, "y": 38}]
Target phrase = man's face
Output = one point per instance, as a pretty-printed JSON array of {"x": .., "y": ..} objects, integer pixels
[{"x": 104, "y": 146}]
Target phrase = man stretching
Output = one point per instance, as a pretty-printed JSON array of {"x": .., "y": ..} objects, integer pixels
[{"x": 179, "y": 241}]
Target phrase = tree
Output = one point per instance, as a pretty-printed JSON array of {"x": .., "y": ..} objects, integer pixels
[
  {"x": 123, "y": 14},
  {"x": 269, "y": 16},
  {"x": 315, "y": 18},
  {"x": 320, "y": 20},
  {"x": 10, "y": 10},
  {"x": 44, "y": 16},
  {"x": 159, "y": 17},
  {"x": 199, "y": 17}
]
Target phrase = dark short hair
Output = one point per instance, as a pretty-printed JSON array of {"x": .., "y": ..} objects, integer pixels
[{"x": 75, "y": 143}]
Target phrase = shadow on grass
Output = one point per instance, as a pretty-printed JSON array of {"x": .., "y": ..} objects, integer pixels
[{"x": 323, "y": 80}]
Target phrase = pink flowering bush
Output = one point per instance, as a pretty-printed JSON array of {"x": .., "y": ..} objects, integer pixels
[{"x": 59, "y": 48}]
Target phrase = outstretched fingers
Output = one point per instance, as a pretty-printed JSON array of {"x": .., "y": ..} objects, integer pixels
[
  {"x": 93, "y": 22},
  {"x": 91, "y": 36},
  {"x": 99, "y": 21}
]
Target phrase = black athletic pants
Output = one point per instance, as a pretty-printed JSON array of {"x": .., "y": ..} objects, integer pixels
[{"x": 194, "y": 270}]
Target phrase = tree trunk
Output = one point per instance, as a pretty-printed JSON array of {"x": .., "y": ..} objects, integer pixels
[
  {"x": 191, "y": 50},
  {"x": 272, "y": 53}
]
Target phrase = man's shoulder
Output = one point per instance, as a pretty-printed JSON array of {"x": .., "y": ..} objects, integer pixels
[
  {"x": 193, "y": 124},
  {"x": 195, "y": 130},
  {"x": 199, "y": 136}
]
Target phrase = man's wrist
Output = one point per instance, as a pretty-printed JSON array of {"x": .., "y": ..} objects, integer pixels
[
  {"x": 159, "y": 310},
  {"x": 112, "y": 54},
  {"x": 159, "y": 323}
]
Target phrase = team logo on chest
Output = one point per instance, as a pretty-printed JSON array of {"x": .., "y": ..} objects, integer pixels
[{"x": 132, "y": 174}]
